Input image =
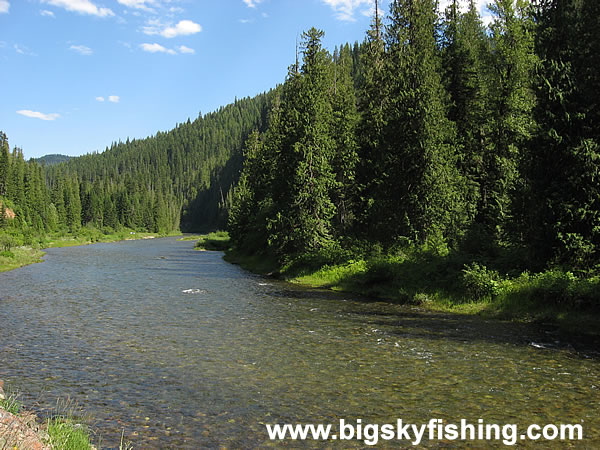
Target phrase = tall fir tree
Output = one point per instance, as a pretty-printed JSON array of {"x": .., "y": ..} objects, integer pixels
[
  {"x": 303, "y": 208},
  {"x": 510, "y": 118},
  {"x": 421, "y": 189}
]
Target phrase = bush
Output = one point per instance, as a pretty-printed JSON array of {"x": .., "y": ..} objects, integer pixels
[
  {"x": 7, "y": 254},
  {"x": 7, "y": 242},
  {"x": 480, "y": 282}
]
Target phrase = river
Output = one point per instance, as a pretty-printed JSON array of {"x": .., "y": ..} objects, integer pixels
[{"x": 177, "y": 348}]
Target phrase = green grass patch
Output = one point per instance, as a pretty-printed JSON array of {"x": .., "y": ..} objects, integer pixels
[
  {"x": 215, "y": 241},
  {"x": 18, "y": 257},
  {"x": 453, "y": 283},
  {"x": 67, "y": 434},
  {"x": 11, "y": 403},
  {"x": 31, "y": 252}
]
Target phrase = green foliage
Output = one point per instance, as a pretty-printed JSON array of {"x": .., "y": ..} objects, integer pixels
[
  {"x": 7, "y": 242},
  {"x": 68, "y": 435},
  {"x": 10, "y": 403},
  {"x": 215, "y": 241},
  {"x": 480, "y": 282}
]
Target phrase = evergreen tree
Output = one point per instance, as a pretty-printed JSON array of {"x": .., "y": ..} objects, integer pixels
[
  {"x": 465, "y": 56},
  {"x": 4, "y": 163},
  {"x": 421, "y": 189},
  {"x": 372, "y": 95},
  {"x": 345, "y": 158},
  {"x": 303, "y": 209},
  {"x": 564, "y": 157},
  {"x": 510, "y": 120}
]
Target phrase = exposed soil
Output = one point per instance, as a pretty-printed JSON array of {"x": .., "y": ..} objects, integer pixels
[{"x": 20, "y": 432}]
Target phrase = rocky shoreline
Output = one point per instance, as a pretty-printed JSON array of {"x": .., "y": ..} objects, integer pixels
[{"x": 22, "y": 431}]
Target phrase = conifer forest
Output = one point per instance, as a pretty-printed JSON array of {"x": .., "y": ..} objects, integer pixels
[{"x": 436, "y": 135}]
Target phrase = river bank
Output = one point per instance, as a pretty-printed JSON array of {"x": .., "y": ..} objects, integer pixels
[
  {"x": 22, "y": 429},
  {"x": 442, "y": 284},
  {"x": 30, "y": 254}
]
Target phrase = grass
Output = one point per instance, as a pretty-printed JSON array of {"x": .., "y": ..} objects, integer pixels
[
  {"x": 450, "y": 283},
  {"x": 9, "y": 402},
  {"x": 62, "y": 431},
  {"x": 215, "y": 241},
  {"x": 67, "y": 434},
  {"x": 32, "y": 252},
  {"x": 18, "y": 257}
]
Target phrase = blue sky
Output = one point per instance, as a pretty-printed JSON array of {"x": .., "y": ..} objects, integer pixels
[{"x": 77, "y": 75}]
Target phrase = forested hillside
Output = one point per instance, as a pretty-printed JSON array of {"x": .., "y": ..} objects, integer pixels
[
  {"x": 437, "y": 134},
  {"x": 178, "y": 179},
  {"x": 454, "y": 140}
]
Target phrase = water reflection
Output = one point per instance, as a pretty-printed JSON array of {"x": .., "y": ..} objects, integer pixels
[{"x": 181, "y": 349}]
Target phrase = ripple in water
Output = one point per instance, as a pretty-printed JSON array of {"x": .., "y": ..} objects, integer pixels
[{"x": 178, "y": 348}]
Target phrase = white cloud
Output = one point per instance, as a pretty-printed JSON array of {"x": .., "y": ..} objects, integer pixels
[
  {"x": 252, "y": 3},
  {"x": 344, "y": 9},
  {"x": 4, "y": 6},
  {"x": 23, "y": 50},
  {"x": 139, "y": 4},
  {"x": 81, "y": 49},
  {"x": 183, "y": 28},
  {"x": 38, "y": 115},
  {"x": 157, "y": 48},
  {"x": 114, "y": 98},
  {"x": 184, "y": 49},
  {"x": 81, "y": 6},
  {"x": 246, "y": 21},
  {"x": 100, "y": 99},
  {"x": 46, "y": 13}
]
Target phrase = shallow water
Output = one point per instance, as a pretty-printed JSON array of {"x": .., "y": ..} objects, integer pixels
[{"x": 177, "y": 348}]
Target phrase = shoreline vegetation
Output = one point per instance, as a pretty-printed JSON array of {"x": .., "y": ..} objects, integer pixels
[
  {"x": 14, "y": 257},
  {"x": 65, "y": 428},
  {"x": 434, "y": 282}
]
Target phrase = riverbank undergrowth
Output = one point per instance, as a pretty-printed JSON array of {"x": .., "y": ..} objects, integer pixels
[
  {"x": 24, "y": 250},
  {"x": 456, "y": 283}
]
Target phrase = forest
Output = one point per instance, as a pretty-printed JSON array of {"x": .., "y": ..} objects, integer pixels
[
  {"x": 469, "y": 151},
  {"x": 176, "y": 180},
  {"x": 449, "y": 157}
]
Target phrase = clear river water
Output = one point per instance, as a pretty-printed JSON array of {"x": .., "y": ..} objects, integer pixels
[{"x": 176, "y": 348}]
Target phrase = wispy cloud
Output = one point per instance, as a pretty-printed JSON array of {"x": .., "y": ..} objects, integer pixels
[
  {"x": 4, "y": 6},
  {"x": 145, "y": 5},
  {"x": 114, "y": 98},
  {"x": 252, "y": 3},
  {"x": 344, "y": 9},
  {"x": 46, "y": 13},
  {"x": 81, "y": 49},
  {"x": 186, "y": 50},
  {"x": 182, "y": 28},
  {"x": 81, "y": 7},
  {"x": 157, "y": 48},
  {"x": 38, "y": 115},
  {"x": 23, "y": 50},
  {"x": 99, "y": 99}
]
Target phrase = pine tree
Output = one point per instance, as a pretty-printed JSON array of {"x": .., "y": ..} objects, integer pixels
[
  {"x": 4, "y": 163},
  {"x": 465, "y": 55},
  {"x": 303, "y": 209},
  {"x": 421, "y": 190},
  {"x": 372, "y": 95},
  {"x": 510, "y": 115},
  {"x": 564, "y": 156},
  {"x": 344, "y": 124}
]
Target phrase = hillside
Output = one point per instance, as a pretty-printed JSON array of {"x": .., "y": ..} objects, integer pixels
[{"x": 50, "y": 160}]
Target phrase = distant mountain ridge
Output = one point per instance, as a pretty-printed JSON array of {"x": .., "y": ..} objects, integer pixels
[{"x": 50, "y": 160}]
